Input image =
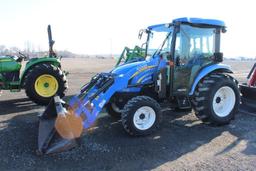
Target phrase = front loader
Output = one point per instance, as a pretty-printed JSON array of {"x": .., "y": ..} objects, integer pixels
[
  {"x": 41, "y": 79},
  {"x": 183, "y": 69}
]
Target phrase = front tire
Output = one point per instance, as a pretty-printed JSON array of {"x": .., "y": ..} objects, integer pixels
[
  {"x": 217, "y": 99},
  {"x": 141, "y": 116},
  {"x": 43, "y": 81}
]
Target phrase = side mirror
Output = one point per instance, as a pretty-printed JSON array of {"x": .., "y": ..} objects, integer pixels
[
  {"x": 224, "y": 30},
  {"x": 140, "y": 33}
]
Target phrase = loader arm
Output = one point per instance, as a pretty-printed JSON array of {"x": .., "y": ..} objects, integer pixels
[
  {"x": 94, "y": 95},
  {"x": 83, "y": 109}
]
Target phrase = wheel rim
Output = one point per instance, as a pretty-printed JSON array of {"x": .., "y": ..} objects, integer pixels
[
  {"x": 46, "y": 85},
  {"x": 224, "y": 101},
  {"x": 144, "y": 118}
]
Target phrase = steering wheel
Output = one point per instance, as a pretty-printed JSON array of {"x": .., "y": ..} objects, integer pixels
[
  {"x": 21, "y": 57},
  {"x": 166, "y": 55}
]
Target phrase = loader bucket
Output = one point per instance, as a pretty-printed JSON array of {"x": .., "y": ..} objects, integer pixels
[
  {"x": 61, "y": 124},
  {"x": 248, "y": 99},
  {"x": 59, "y": 128}
]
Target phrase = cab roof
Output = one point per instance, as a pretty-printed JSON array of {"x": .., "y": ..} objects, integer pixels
[{"x": 198, "y": 21}]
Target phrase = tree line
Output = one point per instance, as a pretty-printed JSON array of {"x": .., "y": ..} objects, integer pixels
[{"x": 32, "y": 53}]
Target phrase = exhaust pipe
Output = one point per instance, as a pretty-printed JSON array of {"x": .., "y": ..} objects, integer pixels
[{"x": 59, "y": 128}]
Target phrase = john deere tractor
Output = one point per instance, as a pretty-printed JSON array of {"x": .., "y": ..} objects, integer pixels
[
  {"x": 182, "y": 68},
  {"x": 42, "y": 78}
]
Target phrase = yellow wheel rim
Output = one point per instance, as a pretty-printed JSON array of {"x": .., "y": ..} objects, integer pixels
[{"x": 46, "y": 85}]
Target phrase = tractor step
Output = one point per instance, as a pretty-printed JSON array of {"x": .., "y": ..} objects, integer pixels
[
  {"x": 15, "y": 90},
  {"x": 183, "y": 102},
  {"x": 15, "y": 86}
]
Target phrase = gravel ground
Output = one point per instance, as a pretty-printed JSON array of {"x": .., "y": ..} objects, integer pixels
[{"x": 182, "y": 143}]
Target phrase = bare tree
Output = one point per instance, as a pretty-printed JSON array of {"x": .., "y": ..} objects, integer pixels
[
  {"x": 27, "y": 46},
  {"x": 14, "y": 50},
  {"x": 2, "y": 48}
]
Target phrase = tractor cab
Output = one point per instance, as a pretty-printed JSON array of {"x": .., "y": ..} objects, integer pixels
[{"x": 189, "y": 45}]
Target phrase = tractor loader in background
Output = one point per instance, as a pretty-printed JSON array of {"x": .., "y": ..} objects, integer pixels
[{"x": 138, "y": 53}]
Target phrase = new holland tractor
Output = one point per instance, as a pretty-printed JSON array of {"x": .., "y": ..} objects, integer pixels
[
  {"x": 42, "y": 77},
  {"x": 182, "y": 68}
]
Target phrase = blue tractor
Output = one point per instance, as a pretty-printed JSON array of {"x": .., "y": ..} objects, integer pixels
[{"x": 182, "y": 69}]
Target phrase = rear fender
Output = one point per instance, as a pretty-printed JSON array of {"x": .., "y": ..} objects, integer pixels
[
  {"x": 35, "y": 61},
  {"x": 222, "y": 68}
]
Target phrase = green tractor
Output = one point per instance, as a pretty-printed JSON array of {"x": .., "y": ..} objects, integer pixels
[{"x": 42, "y": 77}]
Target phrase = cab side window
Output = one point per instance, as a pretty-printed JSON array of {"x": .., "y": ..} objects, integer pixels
[{"x": 192, "y": 45}]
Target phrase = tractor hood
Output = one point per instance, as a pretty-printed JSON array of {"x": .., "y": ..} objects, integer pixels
[
  {"x": 128, "y": 67},
  {"x": 8, "y": 64}
]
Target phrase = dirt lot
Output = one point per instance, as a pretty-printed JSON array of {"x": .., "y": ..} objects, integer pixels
[{"x": 182, "y": 143}]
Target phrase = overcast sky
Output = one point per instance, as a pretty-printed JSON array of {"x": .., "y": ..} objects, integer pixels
[{"x": 106, "y": 26}]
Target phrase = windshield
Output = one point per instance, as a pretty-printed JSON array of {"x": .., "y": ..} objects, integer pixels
[{"x": 160, "y": 42}]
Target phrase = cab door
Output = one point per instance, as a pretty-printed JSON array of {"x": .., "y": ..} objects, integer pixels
[{"x": 194, "y": 48}]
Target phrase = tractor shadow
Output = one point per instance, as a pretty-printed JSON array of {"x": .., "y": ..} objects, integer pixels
[
  {"x": 20, "y": 105},
  {"x": 181, "y": 133},
  {"x": 106, "y": 146},
  {"x": 16, "y": 106},
  {"x": 18, "y": 136}
]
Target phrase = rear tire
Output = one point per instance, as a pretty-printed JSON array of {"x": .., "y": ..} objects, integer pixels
[
  {"x": 141, "y": 116},
  {"x": 217, "y": 99},
  {"x": 43, "y": 71}
]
